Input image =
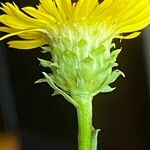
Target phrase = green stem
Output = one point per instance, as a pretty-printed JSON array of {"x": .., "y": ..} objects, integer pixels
[{"x": 84, "y": 112}]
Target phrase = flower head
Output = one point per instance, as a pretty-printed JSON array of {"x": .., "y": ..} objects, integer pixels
[
  {"x": 45, "y": 24},
  {"x": 79, "y": 37}
]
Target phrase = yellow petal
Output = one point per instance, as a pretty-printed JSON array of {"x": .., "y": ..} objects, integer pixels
[
  {"x": 26, "y": 44},
  {"x": 25, "y": 35},
  {"x": 7, "y": 29},
  {"x": 18, "y": 20},
  {"x": 21, "y": 32},
  {"x": 14, "y": 22},
  {"x": 15, "y": 16},
  {"x": 130, "y": 36},
  {"x": 84, "y": 7},
  {"x": 51, "y": 8},
  {"x": 51, "y": 17},
  {"x": 38, "y": 14},
  {"x": 65, "y": 7},
  {"x": 123, "y": 15}
]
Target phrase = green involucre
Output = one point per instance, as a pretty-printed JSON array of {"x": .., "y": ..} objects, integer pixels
[{"x": 81, "y": 73}]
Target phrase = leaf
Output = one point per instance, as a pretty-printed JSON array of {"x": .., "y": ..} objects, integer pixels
[{"x": 94, "y": 139}]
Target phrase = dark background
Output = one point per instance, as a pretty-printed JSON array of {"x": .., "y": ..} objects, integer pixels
[{"x": 47, "y": 122}]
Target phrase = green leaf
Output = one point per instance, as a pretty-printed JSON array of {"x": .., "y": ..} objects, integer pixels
[{"x": 94, "y": 139}]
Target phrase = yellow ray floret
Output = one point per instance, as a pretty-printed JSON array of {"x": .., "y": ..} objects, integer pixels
[
  {"x": 26, "y": 44},
  {"x": 121, "y": 16}
]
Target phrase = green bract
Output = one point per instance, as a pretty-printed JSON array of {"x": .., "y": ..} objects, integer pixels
[{"x": 80, "y": 72}]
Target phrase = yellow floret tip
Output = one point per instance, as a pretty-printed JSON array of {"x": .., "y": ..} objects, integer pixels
[{"x": 50, "y": 16}]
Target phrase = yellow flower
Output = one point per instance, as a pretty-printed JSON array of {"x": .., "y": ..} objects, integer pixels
[
  {"x": 54, "y": 18},
  {"x": 79, "y": 37}
]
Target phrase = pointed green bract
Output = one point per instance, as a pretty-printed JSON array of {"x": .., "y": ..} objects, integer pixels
[
  {"x": 80, "y": 69},
  {"x": 77, "y": 72}
]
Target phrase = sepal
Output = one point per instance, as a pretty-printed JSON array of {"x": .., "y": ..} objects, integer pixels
[
  {"x": 46, "y": 49},
  {"x": 78, "y": 70},
  {"x": 106, "y": 88},
  {"x": 110, "y": 79},
  {"x": 49, "y": 80},
  {"x": 46, "y": 63}
]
